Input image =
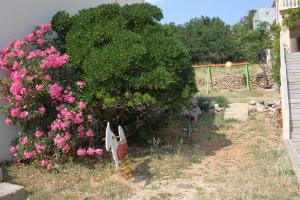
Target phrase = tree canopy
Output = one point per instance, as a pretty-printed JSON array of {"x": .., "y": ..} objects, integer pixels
[
  {"x": 208, "y": 40},
  {"x": 130, "y": 61}
]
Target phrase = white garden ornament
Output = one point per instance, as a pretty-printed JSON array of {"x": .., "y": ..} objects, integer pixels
[{"x": 118, "y": 148}]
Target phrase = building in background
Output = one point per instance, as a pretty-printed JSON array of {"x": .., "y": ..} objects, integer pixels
[
  {"x": 17, "y": 19},
  {"x": 264, "y": 15}
]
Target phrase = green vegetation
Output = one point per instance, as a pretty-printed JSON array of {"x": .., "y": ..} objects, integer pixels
[
  {"x": 275, "y": 30},
  {"x": 208, "y": 40},
  {"x": 134, "y": 67},
  {"x": 291, "y": 17},
  {"x": 255, "y": 44}
]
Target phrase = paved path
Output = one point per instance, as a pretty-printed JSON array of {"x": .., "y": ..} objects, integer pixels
[{"x": 237, "y": 111}]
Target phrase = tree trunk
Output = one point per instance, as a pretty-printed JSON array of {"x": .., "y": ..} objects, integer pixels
[{"x": 263, "y": 67}]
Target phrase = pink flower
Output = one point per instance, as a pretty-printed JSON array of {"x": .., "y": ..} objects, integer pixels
[
  {"x": 45, "y": 27},
  {"x": 29, "y": 154},
  {"x": 98, "y": 152},
  {"x": 39, "y": 88},
  {"x": 47, "y": 78},
  {"x": 66, "y": 148},
  {"x": 18, "y": 97},
  {"x": 31, "y": 37},
  {"x": 40, "y": 42},
  {"x": 90, "y": 151},
  {"x": 55, "y": 91},
  {"x": 81, "y": 152},
  {"x": 81, "y": 84},
  {"x": 39, "y": 147},
  {"x": 16, "y": 65},
  {"x": 90, "y": 133},
  {"x": 59, "y": 140},
  {"x": 49, "y": 166},
  {"x": 44, "y": 163},
  {"x": 80, "y": 131},
  {"x": 67, "y": 136},
  {"x": 18, "y": 44},
  {"x": 39, "y": 134},
  {"x": 21, "y": 54},
  {"x": 42, "y": 110},
  {"x": 24, "y": 114},
  {"x": 82, "y": 105},
  {"x": 8, "y": 122},
  {"x": 90, "y": 118},
  {"x": 24, "y": 141},
  {"x": 13, "y": 150},
  {"x": 68, "y": 97},
  {"x": 78, "y": 119},
  {"x": 15, "y": 112}
]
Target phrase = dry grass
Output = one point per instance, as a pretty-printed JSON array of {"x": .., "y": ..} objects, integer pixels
[{"x": 225, "y": 160}]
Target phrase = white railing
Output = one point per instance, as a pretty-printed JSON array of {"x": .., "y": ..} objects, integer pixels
[
  {"x": 287, "y": 4},
  {"x": 284, "y": 93}
]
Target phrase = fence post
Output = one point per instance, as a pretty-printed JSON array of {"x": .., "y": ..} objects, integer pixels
[
  {"x": 248, "y": 81},
  {"x": 209, "y": 80}
]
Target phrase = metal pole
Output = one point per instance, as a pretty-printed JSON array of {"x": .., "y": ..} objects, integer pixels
[
  {"x": 209, "y": 80},
  {"x": 247, "y": 77}
]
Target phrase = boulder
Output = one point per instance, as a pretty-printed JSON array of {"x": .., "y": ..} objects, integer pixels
[
  {"x": 271, "y": 109},
  {"x": 212, "y": 104},
  {"x": 252, "y": 102},
  {"x": 269, "y": 103},
  {"x": 252, "y": 108},
  {"x": 260, "y": 108}
]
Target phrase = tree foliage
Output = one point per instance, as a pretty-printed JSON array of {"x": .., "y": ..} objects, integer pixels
[
  {"x": 131, "y": 62},
  {"x": 208, "y": 40},
  {"x": 292, "y": 17}
]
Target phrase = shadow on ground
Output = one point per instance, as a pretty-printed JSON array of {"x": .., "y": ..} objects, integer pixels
[{"x": 173, "y": 151}]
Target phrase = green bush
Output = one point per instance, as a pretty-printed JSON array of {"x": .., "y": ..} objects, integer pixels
[{"x": 134, "y": 67}]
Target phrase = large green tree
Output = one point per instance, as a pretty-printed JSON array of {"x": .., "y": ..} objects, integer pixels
[
  {"x": 134, "y": 67},
  {"x": 208, "y": 40},
  {"x": 255, "y": 44}
]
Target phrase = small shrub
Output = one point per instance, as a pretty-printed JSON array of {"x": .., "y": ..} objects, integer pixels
[
  {"x": 56, "y": 123},
  {"x": 222, "y": 101}
]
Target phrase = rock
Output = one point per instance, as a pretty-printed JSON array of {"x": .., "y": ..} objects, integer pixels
[
  {"x": 271, "y": 109},
  {"x": 212, "y": 104},
  {"x": 260, "y": 108},
  {"x": 217, "y": 106},
  {"x": 211, "y": 111},
  {"x": 1, "y": 175},
  {"x": 261, "y": 101},
  {"x": 195, "y": 102},
  {"x": 219, "y": 109},
  {"x": 252, "y": 102},
  {"x": 270, "y": 103},
  {"x": 12, "y": 192},
  {"x": 252, "y": 108}
]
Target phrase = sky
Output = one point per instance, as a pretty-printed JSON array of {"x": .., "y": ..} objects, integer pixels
[{"x": 230, "y": 11}]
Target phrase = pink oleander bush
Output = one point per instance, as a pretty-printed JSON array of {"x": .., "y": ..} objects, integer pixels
[{"x": 56, "y": 124}]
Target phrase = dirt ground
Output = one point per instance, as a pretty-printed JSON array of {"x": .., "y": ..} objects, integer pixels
[{"x": 226, "y": 160}]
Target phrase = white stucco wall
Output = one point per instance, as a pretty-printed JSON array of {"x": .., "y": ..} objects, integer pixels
[
  {"x": 264, "y": 15},
  {"x": 17, "y": 19}
]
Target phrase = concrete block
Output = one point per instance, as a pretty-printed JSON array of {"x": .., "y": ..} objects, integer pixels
[{"x": 12, "y": 192}]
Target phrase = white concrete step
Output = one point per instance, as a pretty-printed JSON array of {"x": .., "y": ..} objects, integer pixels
[
  {"x": 12, "y": 192},
  {"x": 293, "y": 67}
]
